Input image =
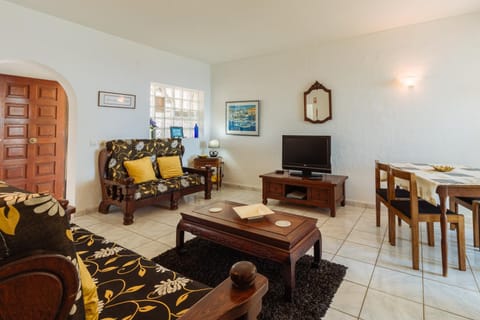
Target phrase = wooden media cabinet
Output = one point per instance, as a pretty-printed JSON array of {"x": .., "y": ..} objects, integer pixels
[{"x": 325, "y": 191}]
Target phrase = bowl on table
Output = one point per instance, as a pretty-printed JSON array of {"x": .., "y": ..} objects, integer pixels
[{"x": 443, "y": 168}]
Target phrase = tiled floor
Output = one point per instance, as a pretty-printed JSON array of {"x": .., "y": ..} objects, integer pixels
[{"x": 380, "y": 283}]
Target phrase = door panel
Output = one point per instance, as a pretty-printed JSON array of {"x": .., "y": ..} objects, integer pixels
[{"x": 33, "y": 141}]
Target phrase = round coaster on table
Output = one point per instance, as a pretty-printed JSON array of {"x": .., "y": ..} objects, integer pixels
[
  {"x": 283, "y": 223},
  {"x": 215, "y": 209}
]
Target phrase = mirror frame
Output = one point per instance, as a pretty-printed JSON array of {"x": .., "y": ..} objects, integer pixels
[{"x": 317, "y": 86}]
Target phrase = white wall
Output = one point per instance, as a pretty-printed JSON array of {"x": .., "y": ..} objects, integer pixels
[
  {"x": 85, "y": 61},
  {"x": 374, "y": 116}
]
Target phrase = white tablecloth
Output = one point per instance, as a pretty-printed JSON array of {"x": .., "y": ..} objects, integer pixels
[{"x": 428, "y": 179}]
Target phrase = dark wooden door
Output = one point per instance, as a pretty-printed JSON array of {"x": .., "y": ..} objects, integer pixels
[{"x": 33, "y": 134}]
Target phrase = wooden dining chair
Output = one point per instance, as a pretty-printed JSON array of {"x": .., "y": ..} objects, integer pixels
[
  {"x": 473, "y": 204},
  {"x": 413, "y": 211},
  {"x": 381, "y": 173}
]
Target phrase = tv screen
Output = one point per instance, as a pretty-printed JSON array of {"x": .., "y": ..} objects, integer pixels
[{"x": 307, "y": 154}]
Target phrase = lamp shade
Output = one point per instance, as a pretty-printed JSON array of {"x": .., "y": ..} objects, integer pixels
[{"x": 214, "y": 144}]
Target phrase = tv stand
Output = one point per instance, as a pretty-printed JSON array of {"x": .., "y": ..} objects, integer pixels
[
  {"x": 324, "y": 191},
  {"x": 311, "y": 175}
]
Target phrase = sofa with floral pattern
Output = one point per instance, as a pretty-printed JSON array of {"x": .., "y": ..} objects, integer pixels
[
  {"x": 40, "y": 277},
  {"x": 120, "y": 190}
]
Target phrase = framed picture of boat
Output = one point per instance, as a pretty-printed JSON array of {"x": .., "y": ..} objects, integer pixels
[{"x": 242, "y": 117}]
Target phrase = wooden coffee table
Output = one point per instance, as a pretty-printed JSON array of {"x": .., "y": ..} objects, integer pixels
[{"x": 260, "y": 238}]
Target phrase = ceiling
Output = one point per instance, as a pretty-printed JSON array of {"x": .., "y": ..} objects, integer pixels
[{"x": 216, "y": 31}]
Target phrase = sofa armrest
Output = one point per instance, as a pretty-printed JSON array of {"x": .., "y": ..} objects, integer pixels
[
  {"x": 227, "y": 302},
  {"x": 41, "y": 286},
  {"x": 207, "y": 174}
]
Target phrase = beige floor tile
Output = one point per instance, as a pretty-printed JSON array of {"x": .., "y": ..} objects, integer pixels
[
  {"x": 133, "y": 241},
  {"x": 333, "y": 314},
  {"x": 366, "y": 238},
  {"x": 465, "y": 279},
  {"x": 398, "y": 284},
  {"x": 349, "y": 298},
  {"x": 331, "y": 245},
  {"x": 152, "y": 249},
  {"x": 459, "y": 301},
  {"x": 326, "y": 256},
  {"x": 397, "y": 261},
  {"x": 85, "y": 220},
  {"x": 151, "y": 229},
  {"x": 367, "y": 224},
  {"x": 358, "y": 252},
  {"x": 435, "y": 314},
  {"x": 358, "y": 272},
  {"x": 379, "y": 305},
  {"x": 169, "y": 239}
]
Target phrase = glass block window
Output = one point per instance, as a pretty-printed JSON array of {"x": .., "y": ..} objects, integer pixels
[{"x": 172, "y": 106}]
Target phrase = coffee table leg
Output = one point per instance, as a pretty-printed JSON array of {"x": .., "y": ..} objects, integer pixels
[
  {"x": 289, "y": 276},
  {"x": 317, "y": 253},
  {"x": 180, "y": 238}
]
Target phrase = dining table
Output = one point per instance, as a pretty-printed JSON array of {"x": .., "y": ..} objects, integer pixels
[{"x": 435, "y": 186}]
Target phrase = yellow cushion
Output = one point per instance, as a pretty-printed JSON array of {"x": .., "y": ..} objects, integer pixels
[
  {"x": 89, "y": 291},
  {"x": 170, "y": 167},
  {"x": 140, "y": 170}
]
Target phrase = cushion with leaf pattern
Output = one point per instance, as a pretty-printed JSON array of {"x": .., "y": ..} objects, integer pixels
[{"x": 130, "y": 286}]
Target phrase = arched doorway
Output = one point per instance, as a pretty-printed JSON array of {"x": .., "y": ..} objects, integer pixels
[{"x": 36, "y": 141}]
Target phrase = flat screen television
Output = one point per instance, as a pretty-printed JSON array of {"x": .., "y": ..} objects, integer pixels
[{"x": 307, "y": 155}]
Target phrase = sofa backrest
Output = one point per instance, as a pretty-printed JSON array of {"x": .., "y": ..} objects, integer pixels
[{"x": 132, "y": 149}]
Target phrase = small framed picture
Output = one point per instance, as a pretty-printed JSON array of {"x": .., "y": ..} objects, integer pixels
[
  {"x": 242, "y": 117},
  {"x": 176, "y": 132},
  {"x": 116, "y": 100}
]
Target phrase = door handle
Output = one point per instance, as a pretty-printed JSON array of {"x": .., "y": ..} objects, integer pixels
[{"x": 32, "y": 140}]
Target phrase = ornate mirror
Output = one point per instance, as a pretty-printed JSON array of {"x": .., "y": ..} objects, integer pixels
[{"x": 317, "y": 103}]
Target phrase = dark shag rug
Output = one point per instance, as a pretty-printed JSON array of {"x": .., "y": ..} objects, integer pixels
[{"x": 210, "y": 264}]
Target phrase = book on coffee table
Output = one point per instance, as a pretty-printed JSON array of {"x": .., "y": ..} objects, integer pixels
[{"x": 253, "y": 211}]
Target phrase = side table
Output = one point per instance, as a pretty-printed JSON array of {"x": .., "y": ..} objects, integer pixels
[{"x": 216, "y": 163}]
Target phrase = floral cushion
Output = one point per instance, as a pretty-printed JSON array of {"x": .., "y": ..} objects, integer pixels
[
  {"x": 189, "y": 180},
  {"x": 124, "y": 150},
  {"x": 130, "y": 286},
  {"x": 155, "y": 187},
  {"x": 30, "y": 222}
]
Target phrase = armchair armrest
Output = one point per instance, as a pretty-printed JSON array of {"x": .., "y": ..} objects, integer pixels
[
  {"x": 227, "y": 302},
  {"x": 37, "y": 286}
]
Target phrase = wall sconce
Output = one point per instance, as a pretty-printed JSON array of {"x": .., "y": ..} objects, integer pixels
[
  {"x": 409, "y": 81},
  {"x": 213, "y": 144}
]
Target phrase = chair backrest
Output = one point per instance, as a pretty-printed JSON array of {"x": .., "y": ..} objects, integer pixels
[
  {"x": 405, "y": 179},
  {"x": 381, "y": 173}
]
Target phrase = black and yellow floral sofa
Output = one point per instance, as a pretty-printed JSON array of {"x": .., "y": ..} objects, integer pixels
[
  {"x": 140, "y": 172},
  {"x": 51, "y": 269}
]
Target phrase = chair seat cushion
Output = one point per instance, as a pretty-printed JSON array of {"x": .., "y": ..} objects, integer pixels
[
  {"x": 399, "y": 193},
  {"x": 424, "y": 207},
  {"x": 156, "y": 187}
]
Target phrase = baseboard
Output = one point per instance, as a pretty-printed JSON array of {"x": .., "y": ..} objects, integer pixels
[
  {"x": 361, "y": 204},
  {"x": 244, "y": 187},
  {"x": 86, "y": 211}
]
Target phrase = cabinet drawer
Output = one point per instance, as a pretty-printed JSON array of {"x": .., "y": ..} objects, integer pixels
[
  {"x": 275, "y": 189},
  {"x": 320, "y": 194}
]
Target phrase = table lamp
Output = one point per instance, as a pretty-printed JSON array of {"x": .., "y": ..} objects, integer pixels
[{"x": 213, "y": 144}]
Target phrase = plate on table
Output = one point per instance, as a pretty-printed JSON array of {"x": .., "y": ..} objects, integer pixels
[
  {"x": 283, "y": 223},
  {"x": 215, "y": 209}
]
